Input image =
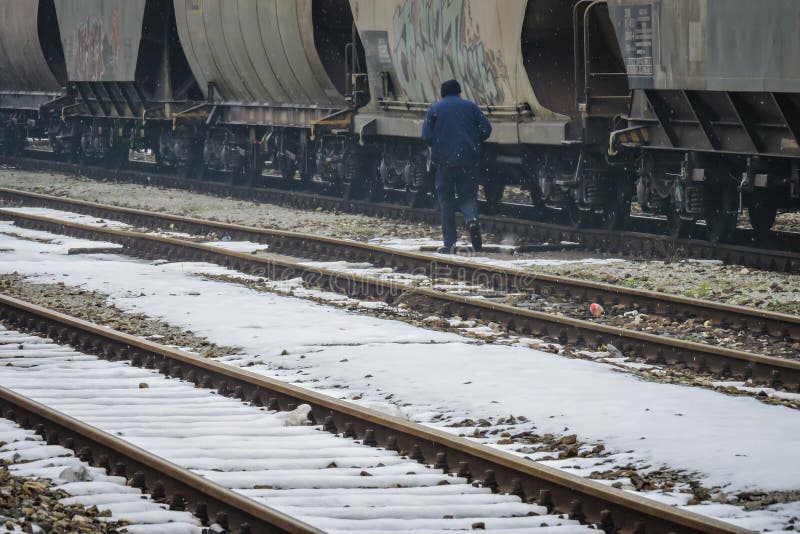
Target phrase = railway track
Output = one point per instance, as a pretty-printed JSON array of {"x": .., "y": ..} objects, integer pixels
[
  {"x": 633, "y": 244},
  {"x": 578, "y": 333},
  {"x": 109, "y": 395},
  {"x": 433, "y": 266},
  {"x": 87, "y": 495},
  {"x": 164, "y": 480}
]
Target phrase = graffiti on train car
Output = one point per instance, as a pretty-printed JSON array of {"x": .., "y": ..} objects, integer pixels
[
  {"x": 435, "y": 40},
  {"x": 98, "y": 49},
  {"x": 100, "y": 38},
  {"x": 90, "y": 64}
]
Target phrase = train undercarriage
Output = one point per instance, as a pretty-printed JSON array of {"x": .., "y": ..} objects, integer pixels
[
  {"x": 687, "y": 187},
  {"x": 589, "y": 188}
]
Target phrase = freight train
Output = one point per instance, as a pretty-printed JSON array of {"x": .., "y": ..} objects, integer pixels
[{"x": 689, "y": 107}]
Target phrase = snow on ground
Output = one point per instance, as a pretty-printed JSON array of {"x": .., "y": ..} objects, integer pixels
[
  {"x": 769, "y": 392},
  {"x": 537, "y": 262},
  {"x": 236, "y": 246},
  {"x": 333, "y": 483},
  {"x": 29, "y": 456},
  {"x": 412, "y": 244},
  {"x": 58, "y": 244},
  {"x": 415, "y": 245},
  {"x": 735, "y": 442},
  {"x": 70, "y": 217}
]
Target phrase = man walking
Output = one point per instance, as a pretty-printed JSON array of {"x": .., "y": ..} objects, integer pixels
[{"x": 455, "y": 129}]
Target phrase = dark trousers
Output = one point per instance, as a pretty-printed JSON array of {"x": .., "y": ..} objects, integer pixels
[{"x": 456, "y": 185}]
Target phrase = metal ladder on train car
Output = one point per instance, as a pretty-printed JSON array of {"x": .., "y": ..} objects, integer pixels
[{"x": 592, "y": 96}]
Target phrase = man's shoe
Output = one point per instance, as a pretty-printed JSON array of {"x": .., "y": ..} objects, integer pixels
[
  {"x": 475, "y": 236},
  {"x": 447, "y": 250}
]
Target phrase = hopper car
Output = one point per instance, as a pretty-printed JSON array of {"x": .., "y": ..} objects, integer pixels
[{"x": 691, "y": 108}]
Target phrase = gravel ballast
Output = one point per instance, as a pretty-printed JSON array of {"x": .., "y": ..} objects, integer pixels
[
  {"x": 228, "y": 210},
  {"x": 32, "y": 506}
]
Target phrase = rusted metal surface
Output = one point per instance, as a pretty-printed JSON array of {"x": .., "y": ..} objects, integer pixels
[
  {"x": 714, "y": 45},
  {"x": 101, "y": 38},
  {"x": 611, "y": 509},
  {"x": 192, "y": 489},
  {"x": 509, "y": 279},
  {"x": 23, "y": 66},
  {"x": 578, "y": 333},
  {"x": 256, "y": 51}
]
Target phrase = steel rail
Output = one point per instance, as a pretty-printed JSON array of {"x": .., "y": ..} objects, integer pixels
[
  {"x": 724, "y": 362},
  {"x": 586, "y": 500},
  {"x": 504, "y": 278},
  {"x": 166, "y": 481},
  {"x": 634, "y": 244}
]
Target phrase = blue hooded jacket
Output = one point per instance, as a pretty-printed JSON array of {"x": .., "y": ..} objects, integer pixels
[{"x": 455, "y": 128}]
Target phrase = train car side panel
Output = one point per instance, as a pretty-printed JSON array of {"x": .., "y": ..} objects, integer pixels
[
  {"x": 288, "y": 14},
  {"x": 101, "y": 38},
  {"x": 256, "y": 52},
  {"x": 710, "y": 45},
  {"x": 23, "y": 66},
  {"x": 426, "y": 42},
  {"x": 264, "y": 66}
]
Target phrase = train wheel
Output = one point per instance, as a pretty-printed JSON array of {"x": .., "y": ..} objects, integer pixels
[
  {"x": 236, "y": 176},
  {"x": 721, "y": 215},
  {"x": 415, "y": 198},
  {"x": 417, "y": 192},
  {"x": 353, "y": 190},
  {"x": 287, "y": 168},
  {"x": 617, "y": 212},
  {"x": 678, "y": 228},
  {"x": 356, "y": 169},
  {"x": 493, "y": 191},
  {"x": 307, "y": 169},
  {"x": 375, "y": 190},
  {"x": 419, "y": 196},
  {"x": 537, "y": 199},
  {"x": 185, "y": 172},
  {"x": 12, "y": 143},
  {"x": 159, "y": 157},
  {"x": 306, "y": 177},
  {"x": 762, "y": 213},
  {"x": 579, "y": 218},
  {"x": 116, "y": 157}
]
